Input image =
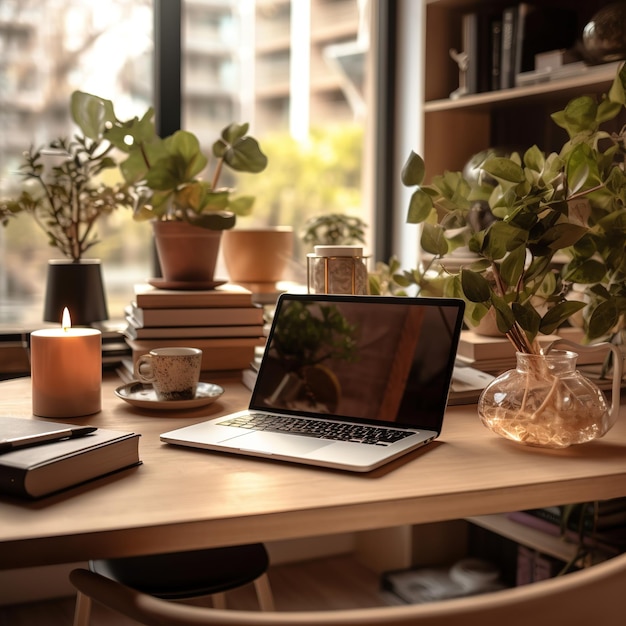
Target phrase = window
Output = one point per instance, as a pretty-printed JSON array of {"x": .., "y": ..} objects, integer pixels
[
  {"x": 295, "y": 69},
  {"x": 48, "y": 49}
]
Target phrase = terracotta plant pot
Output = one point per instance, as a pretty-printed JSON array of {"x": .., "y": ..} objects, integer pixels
[
  {"x": 257, "y": 257},
  {"x": 186, "y": 253}
]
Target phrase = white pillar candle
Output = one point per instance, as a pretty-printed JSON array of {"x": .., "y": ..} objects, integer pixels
[{"x": 66, "y": 370}]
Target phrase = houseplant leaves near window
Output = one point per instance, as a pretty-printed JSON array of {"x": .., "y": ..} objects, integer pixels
[
  {"x": 569, "y": 204},
  {"x": 163, "y": 175},
  {"x": 66, "y": 196}
]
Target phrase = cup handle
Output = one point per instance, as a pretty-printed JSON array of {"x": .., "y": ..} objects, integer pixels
[{"x": 143, "y": 369}]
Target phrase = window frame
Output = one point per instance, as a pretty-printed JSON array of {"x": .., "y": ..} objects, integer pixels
[{"x": 380, "y": 162}]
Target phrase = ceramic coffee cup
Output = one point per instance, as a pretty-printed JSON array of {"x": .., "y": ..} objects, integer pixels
[{"x": 173, "y": 372}]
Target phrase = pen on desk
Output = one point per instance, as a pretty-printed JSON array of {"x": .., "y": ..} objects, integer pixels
[{"x": 33, "y": 440}]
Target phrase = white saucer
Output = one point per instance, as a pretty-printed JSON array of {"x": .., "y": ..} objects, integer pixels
[{"x": 144, "y": 396}]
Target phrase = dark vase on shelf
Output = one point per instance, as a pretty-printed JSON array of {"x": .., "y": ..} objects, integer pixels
[{"x": 78, "y": 286}]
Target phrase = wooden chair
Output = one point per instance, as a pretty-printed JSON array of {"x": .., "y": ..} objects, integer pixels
[
  {"x": 185, "y": 575},
  {"x": 596, "y": 595}
]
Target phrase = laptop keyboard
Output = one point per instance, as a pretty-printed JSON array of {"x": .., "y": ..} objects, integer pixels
[{"x": 339, "y": 431}]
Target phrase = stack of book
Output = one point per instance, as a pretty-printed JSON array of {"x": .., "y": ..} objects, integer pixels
[
  {"x": 224, "y": 323},
  {"x": 495, "y": 355}
]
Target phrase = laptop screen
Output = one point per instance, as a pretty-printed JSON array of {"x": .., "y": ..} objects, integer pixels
[{"x": 375, "y": 358}]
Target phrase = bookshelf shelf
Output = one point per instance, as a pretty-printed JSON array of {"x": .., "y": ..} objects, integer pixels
[
  {"x": 527, "y": 536},
  {"x": 515, "y": 118},
  {"x": 599, "y": 77}
]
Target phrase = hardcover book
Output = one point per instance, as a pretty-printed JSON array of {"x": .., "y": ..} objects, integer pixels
[
  {"x": 217, "y": 354},
  {"x": 44, "y": 469},
  {"x": 134, "y": 330},
  {"x": 227, "y": 316},
  {"x": 227, "y": 295}
]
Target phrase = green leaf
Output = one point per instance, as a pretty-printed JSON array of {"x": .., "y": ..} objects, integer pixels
[
  {"x": 500, "y": 238},
  {"x": 562, "y": 236},
  {"x": 527, "y": 317},
  {"x": 433, "y": 239},
  {"x": 241, "y": 205},
  {"x": 588, "y": 272},
  {"x": 504, "y": 314},
  {"x": 234, "y": 131},
  {"x": 214, "y": 221},
  {"x": 413, "y": 171},
  {"x": 420, "y": 207},
  {"x": 245, "y": 155},
  {"x": 504, "y": 169},
  {"x": 617, "y": 92},
  {"x": 512, "y": 265},
  {"x": 558, "y": 314},
  {"x": 602, "y": 319},
  {"x": 91, "y": 113},
  {"x": 579, "y": 115},
  {"x": 534, "y": 158},
  {"x": 475, "y": 286}
]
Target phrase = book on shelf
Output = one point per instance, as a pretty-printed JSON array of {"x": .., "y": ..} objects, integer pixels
[
  {"x": 469, "y": 45},
  {"x": 507, "y": 48},
  {"x": 136, "y": 331},
  {"x": 218, "y": 354},
  {"x": 477, "y": 44},
  {"x": 610, "y": 541},
  {"x": 601, "y": 515},
  {"x": 227, "y": 295},
  {"x": 496, "y": 52},
  {"x": 223, "y": 316},
  {"x": 51, "y": 467}
]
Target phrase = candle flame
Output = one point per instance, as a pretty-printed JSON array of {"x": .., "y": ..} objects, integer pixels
[{"x": 66, "y": 321}]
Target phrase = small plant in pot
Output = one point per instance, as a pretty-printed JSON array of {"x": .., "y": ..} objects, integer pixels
[
  {"x": 65, "y": 195},
  {"x": 536, "y": 200},
  {"x": 164, "y": 176}
]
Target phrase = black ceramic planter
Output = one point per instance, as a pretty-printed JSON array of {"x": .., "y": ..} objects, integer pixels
[{"x": 78, "y": 286}]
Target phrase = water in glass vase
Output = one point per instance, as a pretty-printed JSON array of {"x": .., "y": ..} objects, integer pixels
[{"x": 547, "y": 402}]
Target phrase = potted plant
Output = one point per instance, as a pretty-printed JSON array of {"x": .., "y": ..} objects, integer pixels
[
  {"x": 334, "y": 229},
  {"x": 66, "y": 197},
  {"x": 164, "y": 176},
  {"x": 544, "y": 205}
]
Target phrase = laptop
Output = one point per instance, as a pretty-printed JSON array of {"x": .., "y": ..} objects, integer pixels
[{"x": 346, "y": 382}]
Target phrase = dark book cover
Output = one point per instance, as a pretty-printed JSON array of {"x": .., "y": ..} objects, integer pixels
[
  {"x": 496, "y": 52},
  {"x": 44, "y": 469},
  {"x": 507, "y": 56}
]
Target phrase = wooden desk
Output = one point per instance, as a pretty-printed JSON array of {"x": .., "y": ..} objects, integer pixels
[{"x": 185, "y": 499}]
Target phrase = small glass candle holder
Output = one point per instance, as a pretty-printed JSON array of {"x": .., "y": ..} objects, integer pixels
[{"x": 337, "y": 269}]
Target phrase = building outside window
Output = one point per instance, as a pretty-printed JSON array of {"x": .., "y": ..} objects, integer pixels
[{"x": 294, "y": 69}]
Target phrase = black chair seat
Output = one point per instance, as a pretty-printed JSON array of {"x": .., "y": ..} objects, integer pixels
[{"x": 180, "y": 575}]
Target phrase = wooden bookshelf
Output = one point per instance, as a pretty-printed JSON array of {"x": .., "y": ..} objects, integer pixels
[
  {"x": 527, "y": 536},
  {"x": 518, "y": 117}
]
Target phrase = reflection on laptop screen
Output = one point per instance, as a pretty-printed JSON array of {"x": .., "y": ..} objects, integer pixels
[{"x": 388, "y": 362}]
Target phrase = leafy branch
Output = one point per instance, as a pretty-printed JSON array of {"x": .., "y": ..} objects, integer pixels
[{"x": 63, "y": 193}]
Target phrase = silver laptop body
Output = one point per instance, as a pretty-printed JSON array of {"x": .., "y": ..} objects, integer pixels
[{"x": 347, "y": 382}]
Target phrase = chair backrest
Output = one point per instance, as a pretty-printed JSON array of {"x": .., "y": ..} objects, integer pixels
[{"x": 595, "y": 595}]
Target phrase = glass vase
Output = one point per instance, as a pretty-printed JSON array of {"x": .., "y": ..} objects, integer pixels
[{"x": 545, "y": 401}]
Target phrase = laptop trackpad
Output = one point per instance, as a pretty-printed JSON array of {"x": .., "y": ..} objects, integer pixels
[{"x": 276, "y": 443}]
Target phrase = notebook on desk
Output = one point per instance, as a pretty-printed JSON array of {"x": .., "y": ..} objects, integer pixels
[{"x": 348, "y": 382}]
